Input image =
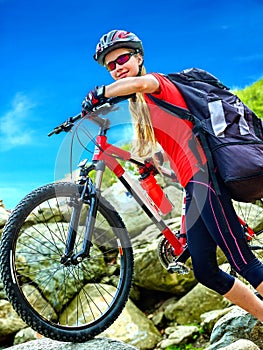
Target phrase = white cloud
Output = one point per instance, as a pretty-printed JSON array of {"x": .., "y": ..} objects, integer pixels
[
  {"x": 12, "y": 195},
  {"x": 14, "y": 128}
]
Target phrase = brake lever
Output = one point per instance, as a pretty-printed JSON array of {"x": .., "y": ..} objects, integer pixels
[
  {"x": 68, "y": 124},
  {"x": 105, "y": 108},
  {"x": 111, "y": 104}
]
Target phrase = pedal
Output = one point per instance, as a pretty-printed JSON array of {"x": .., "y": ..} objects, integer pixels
[{"x": 178, "y": 267}]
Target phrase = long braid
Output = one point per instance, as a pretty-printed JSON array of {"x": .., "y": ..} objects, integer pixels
[{"x": 145, "y": 138}]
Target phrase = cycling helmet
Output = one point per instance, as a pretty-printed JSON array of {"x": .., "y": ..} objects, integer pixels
[{"x": 116, "y": 39}]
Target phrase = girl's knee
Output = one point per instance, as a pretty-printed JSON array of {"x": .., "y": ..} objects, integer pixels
[
  {"x": 253, "y": 272},
  {"x": 219, "y": 281}
]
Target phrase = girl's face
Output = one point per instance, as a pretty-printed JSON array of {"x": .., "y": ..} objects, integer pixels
[{"x": 123, "y": 70}]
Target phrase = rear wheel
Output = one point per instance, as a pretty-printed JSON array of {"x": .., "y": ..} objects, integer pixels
[
  {"x": 251, "y": 219},
  {"x": 66, "y": 302}
]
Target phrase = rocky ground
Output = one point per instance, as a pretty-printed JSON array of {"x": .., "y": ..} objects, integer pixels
[{"x": 164, "y": 310}]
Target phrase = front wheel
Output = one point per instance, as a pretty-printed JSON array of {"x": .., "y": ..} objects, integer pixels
[{"x": 66, "y": 302}]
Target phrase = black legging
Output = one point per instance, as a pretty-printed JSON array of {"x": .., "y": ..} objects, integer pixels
[{"x": 211, "y": 221}]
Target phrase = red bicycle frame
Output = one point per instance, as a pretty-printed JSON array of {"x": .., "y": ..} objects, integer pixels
[{"x": 109, "y": 153}]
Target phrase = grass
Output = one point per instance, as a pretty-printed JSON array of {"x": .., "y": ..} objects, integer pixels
[{"x": 182, "y": 347}]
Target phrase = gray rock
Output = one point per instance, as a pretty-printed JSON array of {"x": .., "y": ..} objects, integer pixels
[
  {"x": 133, "y": 327},
  {"x": 179, "y": 335},
  {"x": 241, "y": 344},
  {"x": 10, "y": 323},
  {"x": 237, "y": 324},
  {"x": 209, "y": 319},
  {"x": 95, "y": 344},
  {"x": 25, "y": 335},
  {"x": 4, "y": 214}
]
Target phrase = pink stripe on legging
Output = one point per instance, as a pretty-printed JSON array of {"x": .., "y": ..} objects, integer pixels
[{"x": 229, "y": 228}]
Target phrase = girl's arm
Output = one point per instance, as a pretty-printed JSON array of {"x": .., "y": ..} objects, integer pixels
[
  {"x": 130, "y": 85},
  {"x": 122, "y": 87}
]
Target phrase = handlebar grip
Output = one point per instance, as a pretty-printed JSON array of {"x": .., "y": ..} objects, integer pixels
[
  {"x": 51, "y": 133},
  {"x": 66, "y": 126},
  {"x": 75, "y": 118}
]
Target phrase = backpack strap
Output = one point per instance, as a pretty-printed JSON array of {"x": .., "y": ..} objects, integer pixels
[
  {"x": 182, "y": 113},
  {"x": 198, "y": 130}
]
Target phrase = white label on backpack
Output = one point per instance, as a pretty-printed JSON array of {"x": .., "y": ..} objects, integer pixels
[
  {"x": 217, "y": 117},
  {"x": 243, "y": 126}
]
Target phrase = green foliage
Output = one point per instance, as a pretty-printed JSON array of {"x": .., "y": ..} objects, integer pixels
[
  {"x": 109, "y": 178},
  {"x": 253, "y": 97}
]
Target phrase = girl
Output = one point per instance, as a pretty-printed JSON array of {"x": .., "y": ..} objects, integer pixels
[{"x": 208, "y": 226}]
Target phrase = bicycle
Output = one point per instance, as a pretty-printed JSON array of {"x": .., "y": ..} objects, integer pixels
[{"x": 69, "y": 274}]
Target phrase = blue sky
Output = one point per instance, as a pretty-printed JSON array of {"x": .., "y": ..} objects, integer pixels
[{"x": 46, "y": 65}]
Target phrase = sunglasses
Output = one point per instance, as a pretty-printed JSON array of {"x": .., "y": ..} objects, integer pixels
[{"x": 120, "y": 60}]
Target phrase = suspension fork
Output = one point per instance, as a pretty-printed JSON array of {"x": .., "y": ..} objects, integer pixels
[
  {"x": 72, "y": 232},
  {"x": 91, "y": 193}
]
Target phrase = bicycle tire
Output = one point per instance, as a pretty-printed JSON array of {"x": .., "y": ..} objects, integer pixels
[{"x": 66, "y": 303}]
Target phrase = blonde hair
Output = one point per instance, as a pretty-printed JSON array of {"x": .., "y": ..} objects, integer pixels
[{"x": 145, "y": 142}]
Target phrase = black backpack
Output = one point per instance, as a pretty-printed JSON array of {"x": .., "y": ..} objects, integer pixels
[{"x": 230, "y": 133}]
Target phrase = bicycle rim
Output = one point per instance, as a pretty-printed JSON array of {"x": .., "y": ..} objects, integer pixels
[{"x": 68, "y": 303}]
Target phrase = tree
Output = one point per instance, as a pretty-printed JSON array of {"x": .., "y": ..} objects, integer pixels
[{"x": 252, "y": 96}]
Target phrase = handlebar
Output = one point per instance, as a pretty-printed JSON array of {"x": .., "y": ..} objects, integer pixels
[
  {"x": 65, "y": 126},
  {"x": 104, "y": 109}
]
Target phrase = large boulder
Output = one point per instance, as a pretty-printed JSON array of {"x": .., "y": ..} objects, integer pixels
[
  {"x": 127, "y": 208},
  {"x": 195, "y": 303},
  {"x": 134, "y": 328}
]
